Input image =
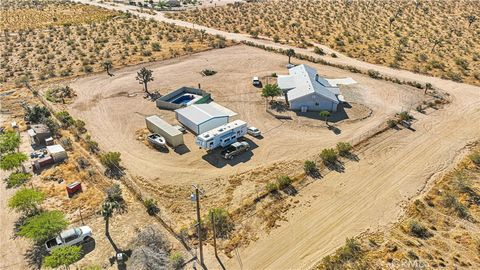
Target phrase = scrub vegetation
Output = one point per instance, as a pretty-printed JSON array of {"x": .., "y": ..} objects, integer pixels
[
  {"x": 52, "y": 41},
  {"x": 439, "y": 38},
  {"x": 444, "y": 221}
]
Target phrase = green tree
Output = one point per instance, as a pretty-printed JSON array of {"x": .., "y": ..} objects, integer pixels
[
  {"x": 16, "y": 179},
  {"x": 26, "y": 200},
  {"x": 63, "y": 256},
  {"x": 271, "y": 90},
  {"x": 43, "y": 226},
  {"x": 290, "y": 53},
  {"x": 12, "y": 161},
  {"x": 325, "y": 115},
  {"x": 107, "y": 65},
  {"x": 9, "y": 142},
  {"x": 144, "y": 76}
]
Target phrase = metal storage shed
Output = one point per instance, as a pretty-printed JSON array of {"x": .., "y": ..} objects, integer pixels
[
  {"x": 38, "y": 134},
  {"x": 57, "y": 152},
  {"x": 172, "y": 135},
  {"x": 200, "y": 118}
]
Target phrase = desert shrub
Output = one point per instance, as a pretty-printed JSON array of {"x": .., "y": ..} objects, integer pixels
[
  {"x": 114, "y": 194},
  {"x": 223, "y": 223},
  {"x": 111, "y": 160},
  {"x": 475, "y": 157},
  {"x": 65, "y": 118},
  {"x": 151, "y": 206},
  {"x": 418, "y": 230},
  {"x": 374, "y": 74},
  {"x": 283, "y": 181},
  {"x": 344, "y": 148},
  {"x": 271, "y": 187},
  {"x": 351, "y": 251},
  {"x": 63, "y": 256},
  {"x": 176, "y": 260},
  {"x": 208, "y": 72},
  {"x": 318, "y": 50},
  {"x": 404, "y": 116},
  {"x": 149, "y": 250},
  {"x": 391, "y": 123},
  {"x": 17, "y": 178},
  {"x": 310, "y": 167},
  {"x": 328, "y": 155}
]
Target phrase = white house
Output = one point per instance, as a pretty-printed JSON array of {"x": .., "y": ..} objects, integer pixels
[
  {"x": 306, "y": 91},
  {"x": 201, "y": 118}
]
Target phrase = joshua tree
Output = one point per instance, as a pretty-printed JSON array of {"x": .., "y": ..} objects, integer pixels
[
  {"x": 108, "y": 207},
  {"x": 471, "y": 19},
  {"x": 325, "y": 114},
  {"x": 107, "y": 65},
  {"x": 144, "y": 76},
  {"x": 290, "y": 53}
]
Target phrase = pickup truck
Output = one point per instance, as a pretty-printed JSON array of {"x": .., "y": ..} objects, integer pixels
[
  {"x": 235, "y": 149},
  {"x": 69, "y": 238}
]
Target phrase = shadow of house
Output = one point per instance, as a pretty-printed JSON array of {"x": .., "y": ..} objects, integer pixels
[{"x": 340, "y": 115}]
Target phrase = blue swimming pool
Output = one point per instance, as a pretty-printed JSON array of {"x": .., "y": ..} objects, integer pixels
[{"x": 183, "y": 99}]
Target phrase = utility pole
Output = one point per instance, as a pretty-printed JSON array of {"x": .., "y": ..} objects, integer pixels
[{"x": 199, "y": 226}]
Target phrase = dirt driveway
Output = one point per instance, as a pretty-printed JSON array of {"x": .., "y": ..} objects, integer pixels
[{"x": 113, "y": 114}]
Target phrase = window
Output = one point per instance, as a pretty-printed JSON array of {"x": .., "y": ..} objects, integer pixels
[{"x": 316, "y": 104}]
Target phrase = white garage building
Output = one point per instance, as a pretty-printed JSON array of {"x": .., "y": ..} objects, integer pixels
[
  {"x": 306, "y": 91},
  {"x": 200, "y": 118}
]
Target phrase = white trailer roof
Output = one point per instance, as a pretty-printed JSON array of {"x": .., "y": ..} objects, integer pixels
[
  {"x": 222, "y": 129},
  {"x": 200, "y": 113}
]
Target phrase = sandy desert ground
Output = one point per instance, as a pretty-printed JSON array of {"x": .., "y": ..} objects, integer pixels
[{"x": 113, "y": 117}]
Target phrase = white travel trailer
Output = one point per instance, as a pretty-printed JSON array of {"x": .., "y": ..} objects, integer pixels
[{"x": 222, "y": 135}]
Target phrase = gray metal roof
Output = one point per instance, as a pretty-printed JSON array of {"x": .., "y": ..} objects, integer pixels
[
  {"x": 304, "y": 80},
  {"x": 200, "y": 113}
]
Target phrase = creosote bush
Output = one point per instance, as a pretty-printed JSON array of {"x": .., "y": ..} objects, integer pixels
[
  {"x": 328, "y": 155},
  {"x": 344, "y": 148},
  {"x": 283, "y": 181}
]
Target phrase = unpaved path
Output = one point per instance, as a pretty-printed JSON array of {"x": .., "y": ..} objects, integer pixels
[
  {"x": 393, "y": 168},
  {"x": 11, "y": 250}
]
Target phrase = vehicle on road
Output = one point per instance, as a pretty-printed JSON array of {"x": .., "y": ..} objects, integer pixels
[
  {"x": 69, "y": 238},
  {"x": 256, "y": 81},
  {"x": 235, "y": 149},
  {"x": 253, "y": 131}
]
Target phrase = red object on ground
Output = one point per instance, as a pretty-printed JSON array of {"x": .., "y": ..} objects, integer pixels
[
  {"x": 74, "y": 188},
  {"x": 42, "y": 162}
]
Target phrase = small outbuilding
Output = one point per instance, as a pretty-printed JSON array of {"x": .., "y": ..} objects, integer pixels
[
  {"x": 200, "y": 118},
  {"x": 38, "y": 134},
  {"x": 307, "y": 91},
  {"x": 57, "y": 152},
  {"x": 172, "y": 135}
]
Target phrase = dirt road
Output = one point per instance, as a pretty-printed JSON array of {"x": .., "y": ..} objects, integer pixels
[
  {"x": 394, "y": 167},
  {"x": 11, "y": 250}
]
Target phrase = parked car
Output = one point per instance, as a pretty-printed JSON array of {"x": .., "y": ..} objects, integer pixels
[
  {"x": 256, "y": 81},
  {"x": 70, "y": 237},
  {"x": 253, "y": 131},
  {"x": 235, "y": 149}
]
